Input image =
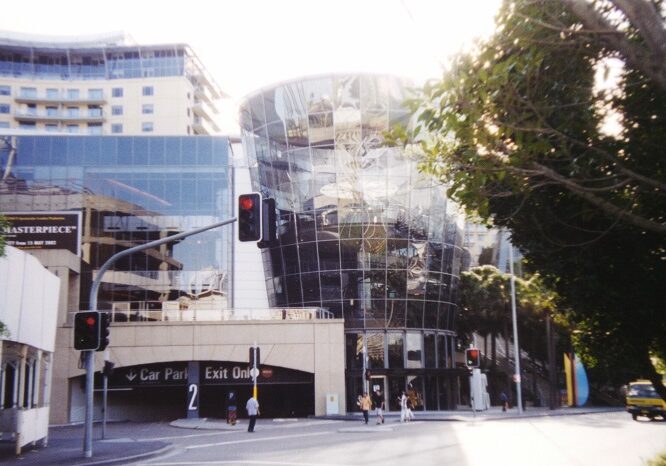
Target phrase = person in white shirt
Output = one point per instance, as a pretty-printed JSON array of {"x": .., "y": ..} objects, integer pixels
[{"x": 252, "y": 407}]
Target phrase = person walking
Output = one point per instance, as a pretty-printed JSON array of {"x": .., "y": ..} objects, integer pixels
[
  {"x": 366, "y": 405},
  {"x": 378, "y": 402},
  {"x": 402, "y": 399},
  {"x": 252, "y": 407},
  {"x": 504, "y": 400}
]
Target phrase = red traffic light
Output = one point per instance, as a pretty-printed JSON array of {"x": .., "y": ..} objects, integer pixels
[
  {"x": 249, "y": 217},
  {"x": 87, "y": 330},
  {"x": 472, "y": 357},
  {"x": 246, "y": 202}
]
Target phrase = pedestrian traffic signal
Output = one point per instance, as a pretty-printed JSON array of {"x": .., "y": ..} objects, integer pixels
[
  {"x": 86, "y": 330},
  {"x": 473, "y": 357},
  {"x": 107, "y": 370},
  {"x": 250, "y": 207},
  {"x": 104, "y": 321}
]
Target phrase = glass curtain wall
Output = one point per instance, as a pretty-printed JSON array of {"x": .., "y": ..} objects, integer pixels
[
  {"x": 361, "y": 231},
  {"x": 132, "y": 190}
]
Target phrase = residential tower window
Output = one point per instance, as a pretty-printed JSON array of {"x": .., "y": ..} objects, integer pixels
[
  {"x": 147, "y": 127},
  {"x": 94, "y": 111},
  {"x": 29, "y": 92},
  {"x": 94, "y": 128},
  {"x": 147, "y": 109},
  {"x": 117, "y": 92},
  {"x": 73, "y": 94},
  {"x": 5, "y": 108},
  {"x": 148, "y": 90},
  {"x": 52, "y": 93},
  {"x": 5, "y": 90},
  {"x": 117, "y": 110},
  {"x": 72, "y": 129},
  {"x": 51, "y": 127},
  {"x": 95, "y": 94},
  {"x": 116, "y": 128}
]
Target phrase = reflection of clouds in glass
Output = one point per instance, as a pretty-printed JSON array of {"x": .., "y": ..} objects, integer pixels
[
  {"x": 371, "y": 190},
  {"x": 363, "y": 229}
]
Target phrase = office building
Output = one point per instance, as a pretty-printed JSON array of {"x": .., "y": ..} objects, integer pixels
[
  {"x": 75, "y": 201},
  {"x": 104, "y": 85}
]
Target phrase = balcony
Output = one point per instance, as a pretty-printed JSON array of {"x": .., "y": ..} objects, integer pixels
[
  {"x": 204, "y": 126},
  {"x": 173, "y": 311},
  {"x": 87, "y": 117},
  {"x": 203, "y": 109},
  {"x": 203, "y": 93},
  {"x": 60, "y": 98}
]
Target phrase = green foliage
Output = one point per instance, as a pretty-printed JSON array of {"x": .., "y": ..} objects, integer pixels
[
  {"x": 659, "y": 460},
  {"x": 485, "y": 303},
  {"x": 515, "y": 132}
]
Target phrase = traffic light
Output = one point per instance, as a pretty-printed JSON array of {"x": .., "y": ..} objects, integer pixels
[
  {"x": 473, "y": 357},
  {"x": 86, "y": 330},
  {"x": 250, "y": 207},
  {"x": 104, "y": 321},
  {"x": 268, "y": 224},
  {"x": 252, "y": 353}
]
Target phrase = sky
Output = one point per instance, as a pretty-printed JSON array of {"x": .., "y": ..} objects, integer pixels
[{"x": 250, "y": 44}]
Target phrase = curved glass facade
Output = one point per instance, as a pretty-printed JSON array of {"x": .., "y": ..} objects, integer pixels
[{"x": 361, "y": 231}]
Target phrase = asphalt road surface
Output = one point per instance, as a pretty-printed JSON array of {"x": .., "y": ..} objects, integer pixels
[{"x": 607, "y": 438}]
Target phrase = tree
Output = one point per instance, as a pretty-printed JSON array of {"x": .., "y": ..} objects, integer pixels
[
  {"x": 485, "y": 301},
  {"x": 3, "y": 226},
  {"x": 486, "y": 256},
  {"x": 516, "y": 130}
]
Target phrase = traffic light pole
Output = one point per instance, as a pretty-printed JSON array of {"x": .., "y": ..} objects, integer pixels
[{"x": 94, "y": 289}]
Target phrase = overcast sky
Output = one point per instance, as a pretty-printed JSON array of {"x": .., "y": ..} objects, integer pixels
[{"x": 249, "y": 44}]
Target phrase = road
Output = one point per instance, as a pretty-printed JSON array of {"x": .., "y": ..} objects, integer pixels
[{"x": 608, "y": 439}]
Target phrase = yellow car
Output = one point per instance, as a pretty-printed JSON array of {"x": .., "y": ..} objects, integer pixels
[{"x": 643, "y": 400}]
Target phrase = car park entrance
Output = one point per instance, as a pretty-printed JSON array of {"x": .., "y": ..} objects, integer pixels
[{"x": 164, "y": 391}]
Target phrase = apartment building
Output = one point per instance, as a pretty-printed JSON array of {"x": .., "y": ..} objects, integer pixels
[{"x": 104, "y": 85}]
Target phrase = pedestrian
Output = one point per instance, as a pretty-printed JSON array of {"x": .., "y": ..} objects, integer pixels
[
  {"x": 402, "y": 399},
  {"x": 252, "y": 408},
  {"x": 504, "y": 400},
  {"x": 366, "y": 405},
  {"x": 409, "y": 413},
  {"x": 378, "y": 402}
]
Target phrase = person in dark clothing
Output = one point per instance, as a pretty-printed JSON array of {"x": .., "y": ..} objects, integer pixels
[{"x": 378, "y": 403}]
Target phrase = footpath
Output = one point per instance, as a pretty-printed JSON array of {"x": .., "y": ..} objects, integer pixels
[{"x": 123, "y": 444}]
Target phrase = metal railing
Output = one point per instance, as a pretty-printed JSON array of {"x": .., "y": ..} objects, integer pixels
[{"x": 149, "y": 313}]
